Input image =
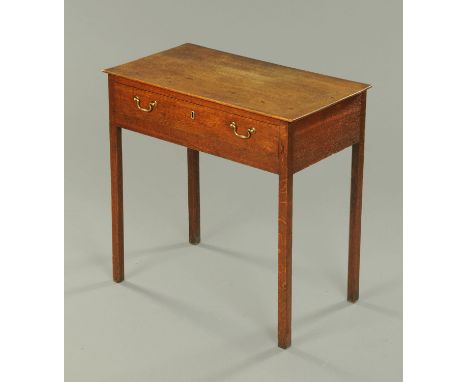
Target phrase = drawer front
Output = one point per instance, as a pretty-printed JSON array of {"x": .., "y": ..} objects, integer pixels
[{"x": 199, "y": 127}]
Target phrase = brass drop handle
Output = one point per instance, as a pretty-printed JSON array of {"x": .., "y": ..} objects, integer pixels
[
  {"x": 151, "y": 105},
  {"x": 250, "y": 131}
]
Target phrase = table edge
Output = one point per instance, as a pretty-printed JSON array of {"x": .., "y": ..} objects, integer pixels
[{"x": 213, "y": 101}]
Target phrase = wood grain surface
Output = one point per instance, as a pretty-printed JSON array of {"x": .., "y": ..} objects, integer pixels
[{"x": 244, "y": 83}]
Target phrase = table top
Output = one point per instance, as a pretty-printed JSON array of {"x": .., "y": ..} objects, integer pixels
[{"x": 269, "y": 89}]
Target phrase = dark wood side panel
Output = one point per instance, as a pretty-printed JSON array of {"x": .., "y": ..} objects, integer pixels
[{"x": 326, "y": 132}]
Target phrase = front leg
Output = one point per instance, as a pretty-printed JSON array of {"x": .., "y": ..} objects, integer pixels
[
  {"x": 285, "y": 204},
  {"x": 115, "y": 134}
]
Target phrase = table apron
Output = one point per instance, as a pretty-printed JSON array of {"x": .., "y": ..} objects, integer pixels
[{"x": 194, "y": 126}]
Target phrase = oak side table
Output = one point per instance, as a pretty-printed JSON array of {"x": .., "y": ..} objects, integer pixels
[{"x": 264, "y": 115}]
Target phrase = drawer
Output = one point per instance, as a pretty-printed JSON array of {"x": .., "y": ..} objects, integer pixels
[{"x": 202, "y": 128}]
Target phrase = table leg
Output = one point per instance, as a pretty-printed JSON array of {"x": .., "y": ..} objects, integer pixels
[
  {"x": 193, "y": 195},
  {"x": 357, "y": 169},
  {"x": 115, "y": 134},
  {"x": 285, "y": 204}
]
